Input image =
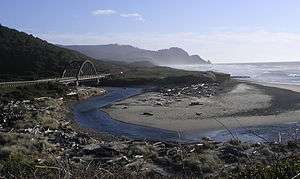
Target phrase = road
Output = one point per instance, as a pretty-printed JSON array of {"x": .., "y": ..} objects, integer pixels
[{"x": 66, "y": 80}]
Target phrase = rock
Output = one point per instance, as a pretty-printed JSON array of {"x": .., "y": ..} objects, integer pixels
[
  {"x": 147, "y": 114},
  {"x": 198, "y": 113},
  {"x": 159, "y": 103},
  {"x": 138, "y": 156},
  {"x": 26, "y": 101},
  {"x": 72, "y": 94}
]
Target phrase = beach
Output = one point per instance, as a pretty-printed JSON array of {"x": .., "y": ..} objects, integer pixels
[
  {"x": 295, "y": 88},
  {"x": 245, "y": 104}
]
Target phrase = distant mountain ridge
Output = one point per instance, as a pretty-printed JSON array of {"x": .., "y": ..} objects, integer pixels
[{"x": 127, "y": 53}]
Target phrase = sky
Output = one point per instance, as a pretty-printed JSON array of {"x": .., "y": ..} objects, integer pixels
[{"x": 217, "y": 30}]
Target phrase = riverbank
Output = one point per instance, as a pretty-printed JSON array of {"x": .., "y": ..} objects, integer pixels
[
  {"x": 245, "y": 105},
  {"x": 38, "y": 139}
]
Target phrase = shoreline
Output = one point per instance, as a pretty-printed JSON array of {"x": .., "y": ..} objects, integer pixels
[
  {"x": 295, "y": 88},
  {"x": 262, "y": 108}
]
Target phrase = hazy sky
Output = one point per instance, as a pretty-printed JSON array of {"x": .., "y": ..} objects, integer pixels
[{"x": 218, "y": 30}]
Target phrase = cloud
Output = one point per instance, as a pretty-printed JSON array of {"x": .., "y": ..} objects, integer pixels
[
  {"x": 223, "y": 46},
  {"x": 101, "y": 12},
  {"x": 135, "y": 16}
]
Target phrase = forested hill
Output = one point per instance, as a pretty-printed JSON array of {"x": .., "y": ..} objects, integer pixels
[{"x": 24, "y": 56}]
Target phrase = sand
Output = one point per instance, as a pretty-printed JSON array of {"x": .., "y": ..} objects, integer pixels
[
  {"x": 243, "y": 106},
  {"x": 295, "y": 88}
]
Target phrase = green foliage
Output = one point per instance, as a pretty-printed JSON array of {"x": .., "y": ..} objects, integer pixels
[
  {"x": 32, "y": 91},
  {"x": 24, "y": 56},
  {"x": 17, "y": 165},
  {"x": 284, "y": 168}
]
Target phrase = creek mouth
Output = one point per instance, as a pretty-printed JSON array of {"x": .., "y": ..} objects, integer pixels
[{"x": 88, "y": 114}]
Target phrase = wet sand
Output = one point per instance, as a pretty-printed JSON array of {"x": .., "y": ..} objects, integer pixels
[
  {"x": 295, "y": 88},
  {"x": 246, "y": 104}
]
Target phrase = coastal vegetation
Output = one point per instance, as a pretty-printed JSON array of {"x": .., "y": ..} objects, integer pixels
[
  {"x": 39, "y": 140},
  {"x": 39, "y": 137}
]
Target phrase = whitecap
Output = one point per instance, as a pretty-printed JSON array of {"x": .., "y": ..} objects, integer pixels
[{"x": 293, "y": 75}]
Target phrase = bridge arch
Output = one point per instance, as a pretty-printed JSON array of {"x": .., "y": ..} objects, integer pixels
[
  {"x": 91, "y": 69},
  {"x": 79, "y": 68}
]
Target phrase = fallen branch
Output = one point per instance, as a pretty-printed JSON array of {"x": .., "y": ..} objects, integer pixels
[
  {"x": 233, "y": 136},
  {"x": 296, "y": 176}
]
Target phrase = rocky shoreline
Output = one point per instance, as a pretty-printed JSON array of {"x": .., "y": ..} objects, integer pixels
[{"x": 38, "y": 138}]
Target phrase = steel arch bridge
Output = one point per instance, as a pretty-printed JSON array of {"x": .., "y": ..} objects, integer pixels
[
  {"x": 74, "y": 72},
  {"x": 79, "y": 68},
  {"x": 77, "y": 71}
]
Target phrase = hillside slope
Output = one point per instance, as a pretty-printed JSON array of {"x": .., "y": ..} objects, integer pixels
[
  {"x": 127, "y": 53},
  {"x": 25, "y": 57}
]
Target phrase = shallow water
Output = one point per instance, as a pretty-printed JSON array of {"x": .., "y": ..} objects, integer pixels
[
  {"x": 268, "y": 133},
  {"x": 89, "y": 115}
]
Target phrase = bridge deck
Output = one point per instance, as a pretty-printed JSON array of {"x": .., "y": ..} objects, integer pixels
[{"x": 59, "y": 80}]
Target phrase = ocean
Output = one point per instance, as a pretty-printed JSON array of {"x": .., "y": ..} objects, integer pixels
[{"x": 276, "y": 72}]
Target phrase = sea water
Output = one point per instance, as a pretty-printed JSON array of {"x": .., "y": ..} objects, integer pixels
[{"x": 277, "y": 72}]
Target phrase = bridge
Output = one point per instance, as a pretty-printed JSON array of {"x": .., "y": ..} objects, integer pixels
[{"x": 74, "y": 72}]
